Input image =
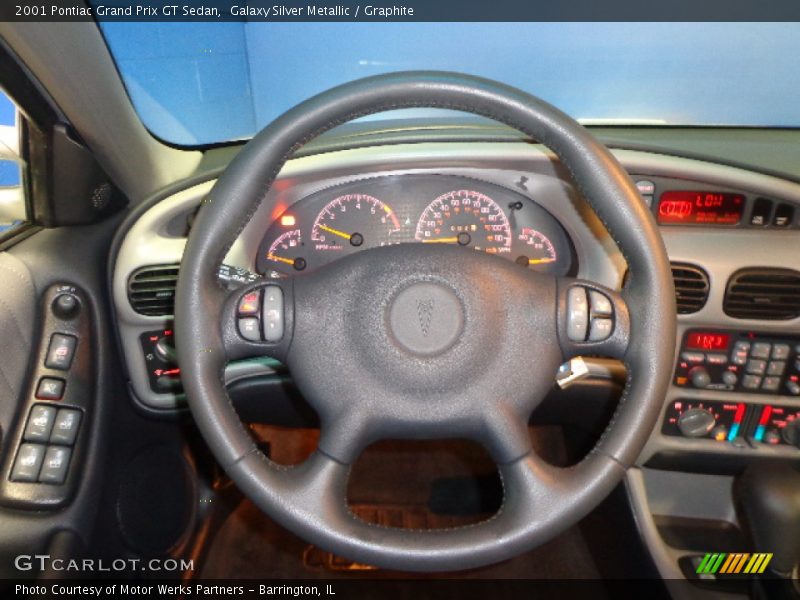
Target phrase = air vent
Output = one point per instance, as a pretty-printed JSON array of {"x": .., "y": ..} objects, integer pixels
[
  {"x": 151, "y": 290},
  {"x": 763, "y": 293},
  {"x": 691, "y": 287}
]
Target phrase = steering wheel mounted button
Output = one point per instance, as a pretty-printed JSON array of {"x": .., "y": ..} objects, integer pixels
[
  {"x": 577, "y": 314},
  {"x": 601, "y": 305},
  {"x": 273, "y": 313},
  {"x": 250, "y": 304},
  {"x": 600, "y": 329},
  {"x": 249, "y": 329}
]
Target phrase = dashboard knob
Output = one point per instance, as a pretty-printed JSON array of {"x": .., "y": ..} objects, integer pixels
[
  {"x": 793, "y": 387},
  {"x": 696, "y": 422},
  {"x": 166, "y": 351},
  {"x": 772, "y": 437},
  {"x": 791, "y": 433},
  {"x": 700, "y": 377}
]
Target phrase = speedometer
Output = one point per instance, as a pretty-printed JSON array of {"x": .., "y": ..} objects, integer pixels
[{"x": 467, "y": 218}]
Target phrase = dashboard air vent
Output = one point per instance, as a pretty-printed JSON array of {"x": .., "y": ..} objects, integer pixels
[
  {"x": 151, "y": 290},
  {"x": 691, "y": 287},
  {"x": 763, "y": 293}
]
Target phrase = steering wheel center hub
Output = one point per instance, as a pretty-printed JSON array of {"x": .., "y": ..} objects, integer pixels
[{"x": 426, "y": 318}]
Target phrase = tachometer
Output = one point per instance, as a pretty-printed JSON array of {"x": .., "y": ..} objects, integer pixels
[
  {"x": 286, "y": 250},
  {"x": 538, "y": 248},
  {"x": 467, "y": 218},
  {"x": 354, "y": 220}
]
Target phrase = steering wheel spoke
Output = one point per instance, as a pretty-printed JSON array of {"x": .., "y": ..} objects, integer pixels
[
  {"x": 257, "y": 320},
  {"x": 592, "y": 320}
]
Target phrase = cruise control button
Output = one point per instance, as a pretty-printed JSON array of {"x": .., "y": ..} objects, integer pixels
[
  {"x": 577, "y": 314},
  {"x": 65, "y": 428},
  {"x": 600, "y": 304},
  {"x": 273, "y": 313},
  {"x": 28, "y": 463},
  {"x": 250, "y": 304},
  {"x": 756, "y": 367},
  {"x": 50, "y": 389},
  {"x": 40, "y": 423},
  {"x": 55, "y": 465},
  {"x": 776, "y": 367},
  {"x": 780, "y": 351},
  {"x": 751, "y": 382},
  {"x": 60, "y": 352},
  {"x": 600, "y": 329},
  {"x": 761, "y": 350},
  {"x": 249, "y": 329}
]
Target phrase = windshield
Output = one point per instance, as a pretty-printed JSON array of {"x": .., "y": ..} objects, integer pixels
[{"x": 205, "y": 83}]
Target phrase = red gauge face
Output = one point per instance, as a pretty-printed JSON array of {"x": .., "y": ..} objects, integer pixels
[
  {"x": 354, "y": 220},
  {"x": 466, "y": 218}
]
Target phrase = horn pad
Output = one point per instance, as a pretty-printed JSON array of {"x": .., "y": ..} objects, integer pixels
[{"x": 426, "y": 318}]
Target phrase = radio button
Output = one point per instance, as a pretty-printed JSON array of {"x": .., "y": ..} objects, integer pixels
[
  {"x": 756, "y": 367},
  {"x": 780, "y": 351},
  {"x": 693, "y": 357},
  {"x": 761, "y": 350},
  {"x": 776, "y": 367},
  {"x": 771, "y": 384},
  {"x": 717, "y": 359},
  {"x": 751, "y": 382}
]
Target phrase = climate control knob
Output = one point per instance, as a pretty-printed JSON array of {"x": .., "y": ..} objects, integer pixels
[
  {"x": 696, "y": 423},
  {"x": 700, "y": 377}
]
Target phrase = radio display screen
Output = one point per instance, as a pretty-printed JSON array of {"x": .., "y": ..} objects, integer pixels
[
  {"x": 700, "y": 208},
  {"x": 704, "y": 340}
]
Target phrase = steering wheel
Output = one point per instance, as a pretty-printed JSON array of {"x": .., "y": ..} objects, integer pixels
[{"x": 422, "y": 341}]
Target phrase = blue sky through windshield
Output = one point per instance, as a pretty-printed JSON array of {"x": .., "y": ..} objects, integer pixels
[{"x": 201, "y": 83}]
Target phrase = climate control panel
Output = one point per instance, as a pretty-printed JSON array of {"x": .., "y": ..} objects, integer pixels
[
  {"x": 739, "y": 361},
  {"x": 742, "y": 424}
]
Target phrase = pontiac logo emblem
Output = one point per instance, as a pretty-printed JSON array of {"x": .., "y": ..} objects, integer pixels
[{"x": 425, "y": 313}]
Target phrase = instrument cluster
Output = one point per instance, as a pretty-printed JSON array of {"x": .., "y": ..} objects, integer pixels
[{"x": 426, "y": 209}]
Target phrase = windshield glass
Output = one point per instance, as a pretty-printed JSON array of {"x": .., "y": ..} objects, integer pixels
[{"x": 205, "y": 83}]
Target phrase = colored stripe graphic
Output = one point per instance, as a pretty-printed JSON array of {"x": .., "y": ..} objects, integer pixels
[{"x": 734, "y": 563}]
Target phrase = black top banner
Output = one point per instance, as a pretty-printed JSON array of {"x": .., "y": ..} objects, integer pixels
[{"x": 405, "y": 10}]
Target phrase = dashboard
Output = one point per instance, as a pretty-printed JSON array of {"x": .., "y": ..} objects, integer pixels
[{"x": 414, "y": 208}]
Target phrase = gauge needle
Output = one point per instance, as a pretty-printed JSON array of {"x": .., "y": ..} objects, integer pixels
[
  {"x": 288, "y": 261},
  {"x": 539, "y": 261},
  {"x": 444, "y": 240},
  {"x": 346, "y": 236}
]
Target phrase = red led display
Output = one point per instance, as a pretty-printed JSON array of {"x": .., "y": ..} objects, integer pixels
[
  {"x": 700, "y": 208},
  {"x": 700, "y": 340}
]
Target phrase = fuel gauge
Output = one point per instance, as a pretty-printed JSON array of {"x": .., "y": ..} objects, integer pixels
[{"x": 537, "y": 248}]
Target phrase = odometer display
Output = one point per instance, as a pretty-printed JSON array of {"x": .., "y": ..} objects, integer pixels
[
  {"x": 467, "y": 218},
  {"x": 700, "y": 208}
]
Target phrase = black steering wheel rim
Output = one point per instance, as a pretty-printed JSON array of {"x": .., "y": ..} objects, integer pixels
[{"x": 540, "y": 500}]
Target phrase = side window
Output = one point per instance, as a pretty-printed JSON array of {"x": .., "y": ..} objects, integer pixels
[{"x": 13, "y": 205}]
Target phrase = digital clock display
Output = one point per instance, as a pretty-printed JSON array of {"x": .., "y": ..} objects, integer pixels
[
  {"x": 700, "y": 208},
  {"x": 706, "y": 340}
]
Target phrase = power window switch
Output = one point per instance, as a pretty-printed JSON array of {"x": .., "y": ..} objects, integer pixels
[
  {"x": 60, "y": 352},
  {"x": 28, "y": 463},
  {"x": 65, "y": 428},
  {"x": 50, "y": 389},
  {"x": 40, "y": 423},
  {"x": 55, "y": 465}
]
